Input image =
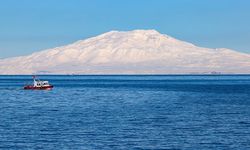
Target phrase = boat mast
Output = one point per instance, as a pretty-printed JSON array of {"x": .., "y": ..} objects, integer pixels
[{"x": 34, "y": 80}]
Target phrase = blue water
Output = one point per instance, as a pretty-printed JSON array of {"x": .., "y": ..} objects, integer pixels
[{"x": 126, "y": 112}]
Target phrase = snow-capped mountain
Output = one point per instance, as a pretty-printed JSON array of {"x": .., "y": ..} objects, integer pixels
[{"x": 132, "y": 52}]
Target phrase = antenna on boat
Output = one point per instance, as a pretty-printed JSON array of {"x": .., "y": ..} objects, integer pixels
[{"x": 34, "y": 77}]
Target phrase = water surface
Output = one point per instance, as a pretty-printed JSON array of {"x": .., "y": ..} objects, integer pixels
[{"x": 126, "y": 112}]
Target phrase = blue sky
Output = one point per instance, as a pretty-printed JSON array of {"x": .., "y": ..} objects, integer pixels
[{"x": 27, "y": 26}]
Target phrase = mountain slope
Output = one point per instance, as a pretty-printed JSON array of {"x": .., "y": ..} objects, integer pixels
[{"x": 132, "y": 52}]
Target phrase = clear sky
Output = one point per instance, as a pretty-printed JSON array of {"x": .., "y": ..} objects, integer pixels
[{"x": 27, "y": 26}]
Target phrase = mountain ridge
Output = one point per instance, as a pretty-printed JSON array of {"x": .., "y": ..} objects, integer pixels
[{"x": 128, "y": 52}]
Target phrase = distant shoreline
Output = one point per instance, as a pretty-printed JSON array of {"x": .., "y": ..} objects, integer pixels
[{"x": 126, "y": 74}]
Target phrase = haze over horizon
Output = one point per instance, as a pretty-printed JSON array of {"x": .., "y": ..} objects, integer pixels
[{"x": 28, "y": 26}]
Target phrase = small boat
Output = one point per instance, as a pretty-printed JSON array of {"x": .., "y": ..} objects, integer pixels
[{"x": 38, "y": 85}]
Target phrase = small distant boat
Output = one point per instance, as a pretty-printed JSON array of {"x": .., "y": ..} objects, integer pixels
[{"x": 38, "y": 85}]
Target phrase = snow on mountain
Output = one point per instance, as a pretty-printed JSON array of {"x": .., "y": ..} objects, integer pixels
[{"x": 132, "y": 52}]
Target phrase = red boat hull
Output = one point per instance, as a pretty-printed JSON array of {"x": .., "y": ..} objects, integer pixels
[{"x": 30, "y": 87}]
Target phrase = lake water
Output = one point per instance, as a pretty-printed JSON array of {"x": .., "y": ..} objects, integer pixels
[{"x": 126, "y": 112}]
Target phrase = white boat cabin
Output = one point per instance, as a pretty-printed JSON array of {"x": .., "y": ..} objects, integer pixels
[{"x": 41, "y": 83}]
